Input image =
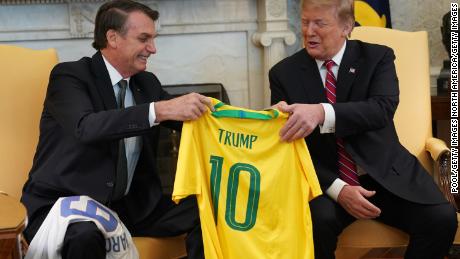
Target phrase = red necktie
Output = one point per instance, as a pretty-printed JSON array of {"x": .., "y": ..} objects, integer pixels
[{"x": 347, "y": 167}]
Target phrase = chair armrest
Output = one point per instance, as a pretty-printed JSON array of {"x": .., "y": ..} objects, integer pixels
[
  {"x": 441, "y": 174},
  {"x": 436, "y": 147}
]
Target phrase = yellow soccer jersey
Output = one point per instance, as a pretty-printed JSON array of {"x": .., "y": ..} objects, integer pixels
[{"x": 252, "y": 189}]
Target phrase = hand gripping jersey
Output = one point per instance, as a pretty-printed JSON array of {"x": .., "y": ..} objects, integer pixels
[
  {"x": 252, "y": 189},
  {"x": 48, "y": 241}
]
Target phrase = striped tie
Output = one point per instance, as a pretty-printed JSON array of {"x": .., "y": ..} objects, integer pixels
[{"x": 347, "y": 167}]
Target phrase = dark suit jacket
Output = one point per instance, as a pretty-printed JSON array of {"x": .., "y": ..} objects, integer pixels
[
  {"x": 79, "y": 132},
  {"x": 367, "y": 98}
]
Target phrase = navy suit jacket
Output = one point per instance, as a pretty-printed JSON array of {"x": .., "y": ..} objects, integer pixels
[
  {"x": 80, "y": 128},
  {"x": 367, "y": 97}
]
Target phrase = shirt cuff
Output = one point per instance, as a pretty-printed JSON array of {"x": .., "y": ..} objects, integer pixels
[
  {"x": 329, "y": 119},
  {"x": 152, "y": 115},
  {"x": 335, "y": 188}
]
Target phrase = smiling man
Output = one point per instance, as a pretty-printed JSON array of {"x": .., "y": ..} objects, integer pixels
[
  {"x": 99, "y": 134},
  {"x": 342, "y": 95}
]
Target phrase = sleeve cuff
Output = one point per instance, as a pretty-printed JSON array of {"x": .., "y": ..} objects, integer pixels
[
  {"x": 335, "y": 188},
  {"x": 152, "y": 115},
  {"x": 329, "y": 119}
]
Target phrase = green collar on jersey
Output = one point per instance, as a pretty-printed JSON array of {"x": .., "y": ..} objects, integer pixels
[{"x": 243, "y": 114}]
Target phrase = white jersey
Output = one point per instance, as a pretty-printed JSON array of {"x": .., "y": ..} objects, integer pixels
[{"x": 48, "y": 241}]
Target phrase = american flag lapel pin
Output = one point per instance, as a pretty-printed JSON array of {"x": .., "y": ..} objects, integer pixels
[{"x": 352, "y": 70}]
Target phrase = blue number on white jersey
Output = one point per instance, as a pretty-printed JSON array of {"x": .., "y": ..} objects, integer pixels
[{"x": 109, "y": 224}]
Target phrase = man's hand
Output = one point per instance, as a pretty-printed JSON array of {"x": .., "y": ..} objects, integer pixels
[
  {"x": 183, "y": 108},
  {"x": 354, "y": 200},
  {"x": 303, "y": 119},
  {"x": 280, "y": 105}
]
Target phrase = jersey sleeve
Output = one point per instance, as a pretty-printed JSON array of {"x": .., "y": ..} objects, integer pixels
[
  {"x": 188, "y": 170},
  {"x": 308, "y": 168}
]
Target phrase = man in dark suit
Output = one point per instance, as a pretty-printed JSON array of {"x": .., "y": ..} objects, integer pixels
[
  {"x": 342, "y": 96},
  {"x": 88, "y": 146}
]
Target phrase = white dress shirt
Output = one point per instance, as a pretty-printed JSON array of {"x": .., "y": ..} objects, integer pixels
[{"x": 133, "y": 145}]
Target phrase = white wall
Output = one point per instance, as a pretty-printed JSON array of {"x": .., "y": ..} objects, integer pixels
[{"x": 200, "y": 41}]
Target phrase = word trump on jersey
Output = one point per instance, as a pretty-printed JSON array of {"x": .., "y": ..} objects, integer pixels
[
  {"x": 252, "y": 189},
  {"x": 48, "y": 241}
]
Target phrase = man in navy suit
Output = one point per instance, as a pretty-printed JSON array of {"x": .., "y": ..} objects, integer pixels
[
  {"x": 342, "y": 95},
  {"x": 82, "y": 132}
]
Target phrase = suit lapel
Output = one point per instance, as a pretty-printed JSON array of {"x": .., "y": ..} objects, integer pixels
[
  {"x": 103, "y": 82},
  {"x": 312, "y": 84},
  {"x": 105, "y": 88},
  {"x": 136, "y": 89},
  {"x": 348, "y": 69}
]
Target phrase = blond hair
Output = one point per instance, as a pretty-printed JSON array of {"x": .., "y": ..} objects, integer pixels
[{"x": 345, "y": 8}]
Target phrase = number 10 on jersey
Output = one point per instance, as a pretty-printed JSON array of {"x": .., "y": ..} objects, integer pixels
[{"x": 232, "y": 189}]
